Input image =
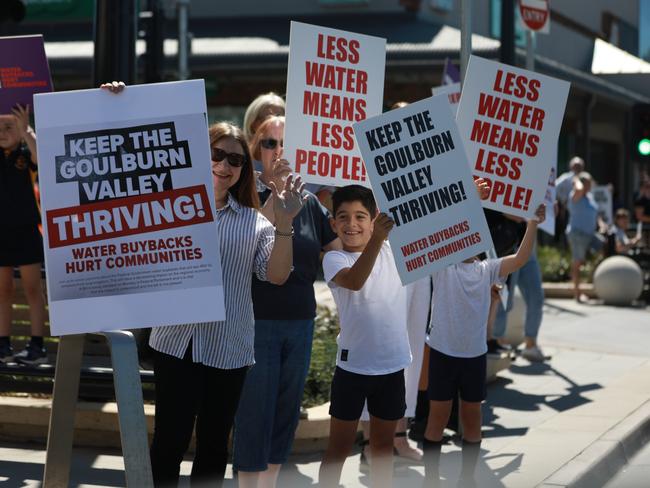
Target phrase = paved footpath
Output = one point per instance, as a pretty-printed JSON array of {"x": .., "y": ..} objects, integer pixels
[{"x": 538, "y": 417}]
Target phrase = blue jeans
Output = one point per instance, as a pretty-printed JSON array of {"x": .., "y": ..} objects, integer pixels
[
  {"x": 529, "y": 280},
  {"x": 269, "y": 408}
]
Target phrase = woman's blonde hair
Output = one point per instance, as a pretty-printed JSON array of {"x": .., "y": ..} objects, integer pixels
[{"x": 256, "y": 107}]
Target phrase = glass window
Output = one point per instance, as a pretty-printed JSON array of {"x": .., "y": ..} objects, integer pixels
[
  {"x": 644, "y": 29},
  {"x": 620, "y": 33},
  {"x": 495, "y": 23}
]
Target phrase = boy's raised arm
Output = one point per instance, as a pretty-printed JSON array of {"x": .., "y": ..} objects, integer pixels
[
  {"x": 513, "y": 262},
  {"x": 354, "y": 277}
]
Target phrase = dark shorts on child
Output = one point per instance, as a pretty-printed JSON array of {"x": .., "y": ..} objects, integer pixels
[
  {"x": 385, "y": 394},
  {"x": 20, "y": 246},
  {"x": 449, "y": 375}
]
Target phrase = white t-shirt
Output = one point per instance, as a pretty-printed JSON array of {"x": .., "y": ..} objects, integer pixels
[
  {"x": 621, "y": 236},
  {"x": 373, "y": 339},
  {"x": 460, "y": 308},
  {"x": 563, "y": 186}
]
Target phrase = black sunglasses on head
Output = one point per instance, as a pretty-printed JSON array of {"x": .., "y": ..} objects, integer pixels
[
  {"x": 234, "y": 159},
  {"x": 271, "y": 143}
]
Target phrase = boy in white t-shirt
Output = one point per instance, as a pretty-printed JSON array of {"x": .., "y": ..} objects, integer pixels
[
  {"x": 373, "y": 344},
  {"x": 458, "y": 345}
]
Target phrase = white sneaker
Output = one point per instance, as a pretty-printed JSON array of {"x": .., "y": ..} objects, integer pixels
[{"x": 533, "y": 354}]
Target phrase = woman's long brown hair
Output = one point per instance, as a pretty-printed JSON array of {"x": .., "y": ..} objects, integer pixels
[{"x": 244, "y": 190}]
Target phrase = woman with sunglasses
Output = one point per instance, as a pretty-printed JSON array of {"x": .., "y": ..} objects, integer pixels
[
  {"x": 200, "y": 368},
  {"x": 269, "y": 408}
]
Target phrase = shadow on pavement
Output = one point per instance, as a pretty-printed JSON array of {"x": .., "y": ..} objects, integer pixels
[
  {"x": 19, "y": 475},
  {"x": 555, "y": 309}
]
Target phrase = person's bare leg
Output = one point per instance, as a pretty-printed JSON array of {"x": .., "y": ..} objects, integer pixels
[
  {"x": 470, "y": 414},
  {"x": 439, "y": 412},
  {"x": 31, "y": 277},
  {"x": 6, "y": 299},
  {"x": 269, "y": 478},
  {"x": 248, "y": 479},
  {"x": 401, "y": 443},
  {"x": 382, "y": 434},
  {"x": 341, "y": 440},
  {"x": 365, "y": 429},
  {"x": 575, "y": 274},
  {"x": 530, "y": 342},
  {"x": 423, "y": 384}
]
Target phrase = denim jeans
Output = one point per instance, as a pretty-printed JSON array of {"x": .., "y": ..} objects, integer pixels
[
  {"x": 529, "y": 280},
  {"x": 269, "y": 408}
]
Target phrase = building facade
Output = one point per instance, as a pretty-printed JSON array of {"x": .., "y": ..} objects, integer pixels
[{"x": 240, "y": 48}]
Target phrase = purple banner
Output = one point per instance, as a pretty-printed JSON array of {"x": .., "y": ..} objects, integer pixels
[
  {"x": 450, "y": 73},
  {"x": 23, "y": 71}
]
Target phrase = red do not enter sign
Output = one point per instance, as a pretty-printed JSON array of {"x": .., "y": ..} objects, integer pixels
[{"x": 535, "y": 14}]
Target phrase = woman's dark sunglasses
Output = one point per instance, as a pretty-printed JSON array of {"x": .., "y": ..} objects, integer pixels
[
  {"x": 234, "y": 159},
  {"x": 271, "y": 143}
]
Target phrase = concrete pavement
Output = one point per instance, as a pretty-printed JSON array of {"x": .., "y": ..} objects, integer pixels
[{"x": 538, "y": 417}]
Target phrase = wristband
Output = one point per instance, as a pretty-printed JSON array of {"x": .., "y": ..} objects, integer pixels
[{"x": 284, "y": 234}]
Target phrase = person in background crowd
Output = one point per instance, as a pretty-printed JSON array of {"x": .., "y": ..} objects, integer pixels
[
  {"x": 563, "y": 187},
  {"x": 269, "y": 408},
  {"x": 21, "y": 244},
  {"x": 621, "y": 223},
  {"x": 529, "y": 280},
  {"x": 642, "y": 202},
  {"x": 564, "y": 182},
  {"x": 581, "y": 231},
  {"x": 259, "y": 109}
]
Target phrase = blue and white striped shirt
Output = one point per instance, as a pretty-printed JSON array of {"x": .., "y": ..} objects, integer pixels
[{"x": 245, "y": 239}]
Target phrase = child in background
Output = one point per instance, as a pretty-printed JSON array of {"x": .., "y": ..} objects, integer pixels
[
  {"x": 373, "y": 345},
  {"x": 21, "y": 244},
  {"x": 457, "y": 341},
  {"x": 624, "y": 244}
]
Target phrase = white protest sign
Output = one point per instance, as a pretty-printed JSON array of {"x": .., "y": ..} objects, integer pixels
[
  {"x": 548, "y": 225},
  {"x": 453, "y": 94},
  {"x": 128, "y": 208},
  {"x": 510, "y": 120},
  {"x": 417, "y": 165},
  {"x": 603, "y": 196},
  {"x": 335, "y": 79}
]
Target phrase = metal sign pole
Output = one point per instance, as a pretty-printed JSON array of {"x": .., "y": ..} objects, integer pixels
[
  {"x": 530, "y": 50},
  {"x": 465, "y": 36},
  {"x": 182, "y": 9}
]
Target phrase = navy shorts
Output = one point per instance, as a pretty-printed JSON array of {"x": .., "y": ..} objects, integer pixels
[
  {"x": 449, "y": 375},
  {"x": 385, "y": 394}
]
